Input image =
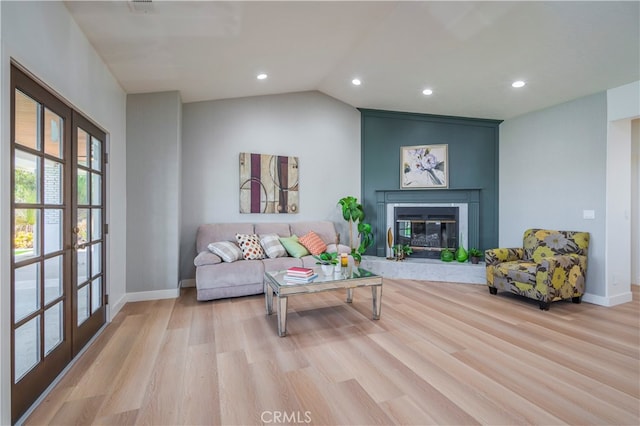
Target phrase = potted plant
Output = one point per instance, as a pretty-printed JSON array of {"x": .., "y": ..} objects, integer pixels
[
  {"x": 401, "y": 251},
  {"x": 327, "y": 261},
  {"x": 475, "y": 255},
  {"x": 353, "y": 212}
]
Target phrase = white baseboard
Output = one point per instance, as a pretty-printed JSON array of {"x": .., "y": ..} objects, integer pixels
[
  {"x": 115, "y": 307},
  {"x": 189, "y": 282},
  {"x": 141, "y": 296},
  {"x": 607, "y": 301}
]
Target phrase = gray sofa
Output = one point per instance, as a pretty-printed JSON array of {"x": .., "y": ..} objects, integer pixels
[{"x": 216, "y": 279}]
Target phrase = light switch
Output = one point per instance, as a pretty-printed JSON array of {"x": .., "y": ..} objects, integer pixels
[{"x": 588, "y": 214}]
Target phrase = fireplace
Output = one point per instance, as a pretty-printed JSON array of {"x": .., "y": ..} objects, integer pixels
[{"x": 428, "y": 228}]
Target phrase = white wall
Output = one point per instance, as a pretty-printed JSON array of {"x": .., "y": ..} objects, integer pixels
[
  {"x": 153, "y": 192},
  {"x": 552, "y": 167},
  {"x": 322, "y": 132},
  {"x": 635, "y": 202},
  {"x": 43, "y": 38},
  {"x": 623, "y": 105}
]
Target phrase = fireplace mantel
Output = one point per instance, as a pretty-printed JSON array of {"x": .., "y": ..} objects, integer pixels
[{"x": 470, "y": 196}]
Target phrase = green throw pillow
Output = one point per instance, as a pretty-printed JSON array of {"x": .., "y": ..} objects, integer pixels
[{"x": 293, "y": 247}]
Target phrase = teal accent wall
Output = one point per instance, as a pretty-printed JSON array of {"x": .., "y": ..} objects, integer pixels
[{"x": 473, "y": 165}]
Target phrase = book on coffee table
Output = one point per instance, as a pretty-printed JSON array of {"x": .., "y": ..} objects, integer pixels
[
  {"x": 299, "y": 280},
  {"x": 296, "y": 271}
]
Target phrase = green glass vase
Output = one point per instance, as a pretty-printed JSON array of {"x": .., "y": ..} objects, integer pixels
[
  {"x": 446, "y": 255},
  {"x": 461, "y": 254}
]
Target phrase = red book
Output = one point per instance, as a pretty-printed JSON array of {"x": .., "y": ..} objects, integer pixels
[{"x": 300, "y": 271}]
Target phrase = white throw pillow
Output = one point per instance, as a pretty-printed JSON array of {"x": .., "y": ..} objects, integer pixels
[
  {"x": 228, "y": 251},
  {"x": 250, "y": 246},
  {"x": 271, "y": 245}
]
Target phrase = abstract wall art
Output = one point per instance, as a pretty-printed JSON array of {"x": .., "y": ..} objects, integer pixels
[{"x": 268, "y": 183}]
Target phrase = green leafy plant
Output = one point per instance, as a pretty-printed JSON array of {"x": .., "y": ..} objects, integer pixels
[
  {"x": 474, "y": 252},
  {"x": 401, "y": 251},
  {"x": 353, "y": 212},
  {"x": 326, "y": 258},
  {"x": 475, "y": 255}
]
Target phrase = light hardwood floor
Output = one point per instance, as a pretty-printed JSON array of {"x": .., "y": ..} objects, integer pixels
[{"x": 441, "y": 353}]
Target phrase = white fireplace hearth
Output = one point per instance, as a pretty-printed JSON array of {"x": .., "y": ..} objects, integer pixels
[{"x": 426, "y": 270}]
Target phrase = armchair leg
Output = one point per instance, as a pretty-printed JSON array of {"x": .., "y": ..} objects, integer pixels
[
  {"x": 545, "y": 306},
  {"x": 576, "y": 299},
  {"x": 493, "y": 290}
]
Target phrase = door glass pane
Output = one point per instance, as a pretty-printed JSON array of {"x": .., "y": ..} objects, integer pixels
[
  {"x": 96, "y": 259},
  {"x": 83, "y": 304},
  {"x": 96, "y": 189},
  {"x": 27, "y": 178},
  {"x": 83, "y": 264},
  {"x": 26, "y": 347},
  {"x": 27, "y": 234},
  {"x": 52, "y": 327},
  {"x": 52, "y": 230},
  {"x": 53, "y": 127},
  {"x": 96, "y": 294},
  {"x": 83, "y": 187},
  {"x": 96, "y": 154},
  {"x": 26, "y": 293},
  {"x": 96, "y": 224},
  {"x": 52, "y": 279},
  {"x": 82, "y": 226},
  {"x": 52, "y": 182},
  {"x": 27, "y": 121},
  {"x": 83, "y": 147}
]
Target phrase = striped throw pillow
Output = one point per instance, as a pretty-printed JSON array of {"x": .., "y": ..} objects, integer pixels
[
  {"x": 228, "y": 251},
  {"x": 313, "y": 243},
  {"x": 271, "y": 245}
]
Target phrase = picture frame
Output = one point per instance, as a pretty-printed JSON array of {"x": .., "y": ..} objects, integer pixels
[{"x": 424, "y": 167}]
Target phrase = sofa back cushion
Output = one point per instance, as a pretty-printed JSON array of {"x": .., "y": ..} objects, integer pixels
[
  {"x": 215, "y": 232},
  {"x": 282, "y": 229},
  {"x": 540, "y": 243},
  {"x": 326, "y": 230}
]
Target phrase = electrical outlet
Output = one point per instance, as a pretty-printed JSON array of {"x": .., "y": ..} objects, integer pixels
[{"x": 588, "y": 214}]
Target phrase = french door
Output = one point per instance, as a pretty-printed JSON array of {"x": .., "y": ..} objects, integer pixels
[{"x": 57, "y": 264}]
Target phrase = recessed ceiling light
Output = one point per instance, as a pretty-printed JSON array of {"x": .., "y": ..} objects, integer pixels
[
  {"x": 427, "y": 92},
  {"x": 356, "y": 82},
  {"x": 518, "y": 83},
  {"x": 261, "y": 77}
]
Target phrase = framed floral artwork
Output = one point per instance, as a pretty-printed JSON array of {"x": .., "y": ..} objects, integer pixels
[{"x": 424, "y": 166}]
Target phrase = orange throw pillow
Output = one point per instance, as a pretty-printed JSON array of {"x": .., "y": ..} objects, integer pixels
[{"x": 312, "y": 242}]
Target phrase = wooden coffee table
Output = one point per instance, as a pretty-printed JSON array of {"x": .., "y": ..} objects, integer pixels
[{"x": 350, "y": 278}]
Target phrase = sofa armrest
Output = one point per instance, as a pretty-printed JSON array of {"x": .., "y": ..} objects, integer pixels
[
  {"x": 206, "y": 258},
  {"x": 340, "y": 248},
  {"x": 499, "y": 255}
]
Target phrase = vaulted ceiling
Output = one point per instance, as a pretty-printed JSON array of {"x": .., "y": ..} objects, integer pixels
[{"x": 468, "y": 53}]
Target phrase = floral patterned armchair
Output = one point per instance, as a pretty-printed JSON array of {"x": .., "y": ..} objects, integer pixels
[{"x": 551, "y": 266}]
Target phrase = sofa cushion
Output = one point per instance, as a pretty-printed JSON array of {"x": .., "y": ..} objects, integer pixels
[
  {"x": 281, "y": 263},
  {"x": 213, "y": 232},
  {"x": 250, "y": 246},
  {"x": 271, "y": 245},
  {"x": 326, "y": 230},
  {"x": 206, "y": 258},
  {"x": 282, "y": 229},
  {"x": 312, "y": 242},
  {"x": 228, "y": 251},
  {"x": 293, "y": 247}
]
